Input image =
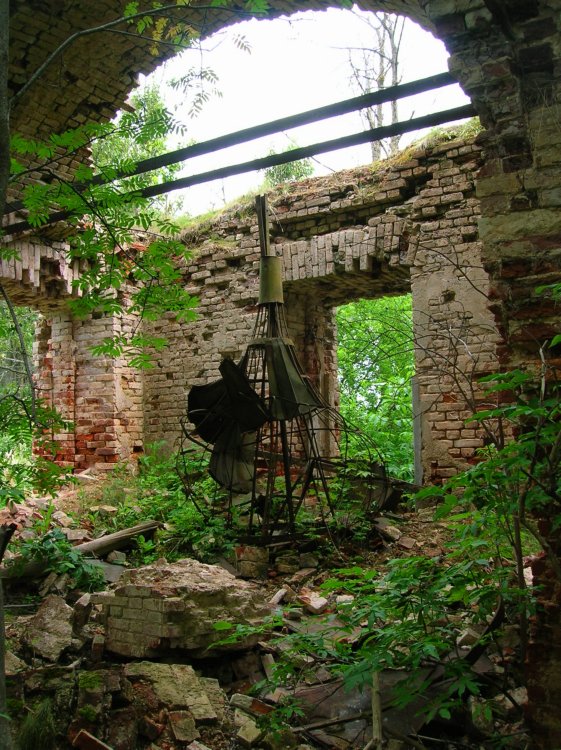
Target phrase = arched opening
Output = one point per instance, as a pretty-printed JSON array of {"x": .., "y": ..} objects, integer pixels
[{"x": 256, "y": 71}]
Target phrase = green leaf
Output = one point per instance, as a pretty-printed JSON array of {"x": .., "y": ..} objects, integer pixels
[
  {"x": 222, "y": 625},
  {"x": 130, "y": 9}
]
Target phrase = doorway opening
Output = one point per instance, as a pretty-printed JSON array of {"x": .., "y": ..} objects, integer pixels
[{"x": 376, "y": 374}]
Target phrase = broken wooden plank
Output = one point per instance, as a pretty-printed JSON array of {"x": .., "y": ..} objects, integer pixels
[
  {"x": 96, "y": 548},
  {"x": 86, "y": 741}
]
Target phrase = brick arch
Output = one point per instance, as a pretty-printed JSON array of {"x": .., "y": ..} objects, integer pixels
[{"x": 93, "y": 77}]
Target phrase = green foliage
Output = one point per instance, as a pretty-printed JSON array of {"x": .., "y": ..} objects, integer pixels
[
  {"x": 12, "y": 369},
  {"x": 38, "y": 729},
  {"x": 290, "y": 172},
  {"x": 156, "y": 492},
  {"x": 120, "y": 276},
  {"x": 376, "y": 364},
  {"x": 137, "y": 135},
  {"x": 23, "y": 417},
  {"x": 57, "y": 555},
  {"x": 201, "y": 85}
]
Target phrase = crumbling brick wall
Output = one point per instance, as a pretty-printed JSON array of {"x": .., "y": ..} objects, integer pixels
[
  {"x": 410, "y": 226},
  {"x": 505, "y": 55},
  {"x": 404, "y": 226}
]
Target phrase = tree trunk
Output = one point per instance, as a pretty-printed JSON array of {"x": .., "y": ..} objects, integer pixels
[
  {"x": 6, "y": 533},
  {"x": 4, "y": 103}
]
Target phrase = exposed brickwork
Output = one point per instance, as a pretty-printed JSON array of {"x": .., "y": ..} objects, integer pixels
[
  {"x": 411, "y": 226},
  {"x": 506, "y": 56},
  {"x": 174, "y": 606},
  {"x": 41, "y": 276}
]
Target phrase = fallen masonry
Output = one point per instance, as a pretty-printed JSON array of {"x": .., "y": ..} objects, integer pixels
[
  {"x": 176, "y": 606},
  {"x": 182, "y": 692}
]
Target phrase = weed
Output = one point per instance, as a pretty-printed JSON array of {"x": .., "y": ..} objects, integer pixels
[
  {"x": 38, "y": 729},
  {"x": 57, "y": 555}
]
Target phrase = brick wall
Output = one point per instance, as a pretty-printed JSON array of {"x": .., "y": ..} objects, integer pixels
[
  {"x": 408, "y": 226},
  {"x": 506, "y": 56}
]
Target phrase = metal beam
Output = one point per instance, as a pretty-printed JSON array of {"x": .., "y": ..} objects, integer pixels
[{"x": 242, "y": 136}]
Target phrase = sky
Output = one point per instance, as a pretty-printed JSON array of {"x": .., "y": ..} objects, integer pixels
[{"x": 294, "y": 64}]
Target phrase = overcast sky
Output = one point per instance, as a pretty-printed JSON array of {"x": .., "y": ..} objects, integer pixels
[{"x": 294, "y": 65}]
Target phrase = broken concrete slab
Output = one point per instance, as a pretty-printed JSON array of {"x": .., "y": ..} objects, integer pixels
[
  {"x": 49, "y": 632},
  {"x": 111, "y": 572},
  {"x": 183, "y": 726},
  {"x": 175, "y": 686}
]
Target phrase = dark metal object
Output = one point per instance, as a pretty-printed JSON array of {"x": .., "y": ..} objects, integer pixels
[
  {"x": 392, "y": 93},
  {"x": 277, "y": 446}
]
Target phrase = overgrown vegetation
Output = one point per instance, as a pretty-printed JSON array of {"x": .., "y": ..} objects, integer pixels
[
  {"x": 155, "y": 492},
  {"x": 410, "y": 616},
  {"x": 376, "y": 365},
  {"x": 55, "y": 554}
]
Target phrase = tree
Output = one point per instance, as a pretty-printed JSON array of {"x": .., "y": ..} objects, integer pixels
[
  {"x": 375, "y": 68},
  {"x": 104, "y": 220},
  {"x": 376, "y": 364},
  {"x": 290, "y": 172},
  {"x": 140, "y": 131}
]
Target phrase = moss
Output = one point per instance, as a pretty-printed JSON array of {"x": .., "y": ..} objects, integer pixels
[
  {"x": 88, "y": 713},
  {"x": 89, "y": 680}
]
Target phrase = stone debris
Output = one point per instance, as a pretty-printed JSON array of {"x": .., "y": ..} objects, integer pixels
[
  {"x": 183, "y": 726},
  {"x": 163, "y": 705},
  {"x": 13, "y": 665},
  {"x": 176, "y": 606},
  {"x": 166, "y": 704},
  {"x": 251, "y": 562},
  {"x": 406, "y": 542},
  {"x": 277, "y": 597},
  {"x": 313, "y": 602},
  {"x": 510, "y": 706},
  {"x": 82, "y": 611},
  {"x": 386, "y": 530},
  {"x": 49, "y": 632},
  {"x": 116, "y": 557},
  {"x": 308, "y": 560},
  {"x": 249, "y": 733},
  {"x": 175, "y": 685},
  {"x": 301, "y": 575}
]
